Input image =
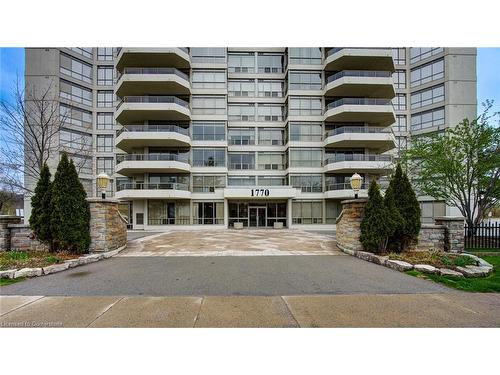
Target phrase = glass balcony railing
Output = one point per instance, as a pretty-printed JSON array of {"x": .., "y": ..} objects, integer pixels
[
  {"x": 356, "y": 130},
  {"x": 154, "y": 71},
  {"x": 359, "y": 73},
  {"x": 184, "y": 158},
  {"x": 154, "y": 99},
  {"x": 356, "y": 157},
  {"x": 343, "y": 186},
  {"x": 358, "y": 101},
  {"x": 161, "y": 128},
  {"x": 150, "y": 186}
]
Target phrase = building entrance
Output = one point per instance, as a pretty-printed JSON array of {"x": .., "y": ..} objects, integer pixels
[{"x": 257, "y": 216}]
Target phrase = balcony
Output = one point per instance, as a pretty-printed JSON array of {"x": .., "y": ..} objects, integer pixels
[
  {"x": 154, "y": 81},
  {"x": 138, "y": 136},
  {"x": 155, "y": 163},
  {"x": 378, "y": 111},
  {"x": 356, "y": 83},
  {"x": 175, "y": 57},
  {"x": 152, "y": 191},
  {"x": 372, "y": 137},
  {"x": 344, "y": 190},
  {"x": 372, "y": 58},
  {"x": 142, "y": 108},
  {"x": 350, "y": 163}
]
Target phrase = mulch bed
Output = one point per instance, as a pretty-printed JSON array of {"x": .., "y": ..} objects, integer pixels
[
  {"x": 434, "y": 258},
  {"x": 32, "y": 259}
]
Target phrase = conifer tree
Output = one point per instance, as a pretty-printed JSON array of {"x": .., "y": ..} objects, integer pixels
[
  {"x": 70, "y": 218},
  {"x": 377, "y": 224},
  {"x": 41, "y": 208}
]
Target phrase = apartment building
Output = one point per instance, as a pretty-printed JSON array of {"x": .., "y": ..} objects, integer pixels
[{"x": 215, "y": 136}]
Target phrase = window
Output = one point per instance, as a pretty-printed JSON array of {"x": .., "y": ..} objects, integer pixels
[
  {"x": 307, "y": 212},
  {"x": 105, "y": 143},
  {"x": 209, "y": 157},
  {"x": 241, "y": 180},
  {"x": 75, "y": 140},
  {"x": 270, "y": 63},
  {"x": 305, "y": 56},
  {"x": 241, "y": 63},
  {"x": 308, "y": 183},
  {"x": 427, "y": 73},
  {"x": 241, "y": 112},
  {"x": 399, "y": 78},
  {"x": 305, "y": 80},
  {"x": 305, "y": 157},
  {"x": 86, "y": 52},
  {"x": 87, "y": 186},
  {"x": 306, "y": 131},
  {"x": 83, "y": 164},
  {"x": 211, "y": 55},
  {"x": 271, "y": 112},
  {"x": 208, "y": 184},
  {"x": 243, "y": 160},
  {"x": 75, "y": 116},
  {"x": 105, "y": 121},
  {"x": 208, "y": 105},
  {"x": 401, "y": 143},
  {"x": 270, "y": 88},
  {"x": 105, "y": 75},
  {"x": 427, "y": 119},
  {"x": 271, "y": 161},
  {"x": 209, "y": 131},
  {"x": 105, "y": 99},
  {"x": 333, "y": 210},
  {"x": 75, "y": 68},
  {"x": 241, "y": 136},
  {"x": 105, "y": 53},
  {"x": 399, "y": 102},
  {"x": 241, "y": 87},
  {"x": 271, "y": 136},
  {"x": 305, "y": 106},
  {"x": 163, "y": 212},
  {"x": 272, "y": 181},
  {"x": 208, "y": 212},
  {"x": 427, "y": 97},
  {"x": 75, "y": 93},
  {"x": 399, "y": 56},
  {"x": 417, "y": 54},
  {"x": 208, "y": 79},
  {"x": 400, "y": 125},
  {"x": 105, "y": 165}
]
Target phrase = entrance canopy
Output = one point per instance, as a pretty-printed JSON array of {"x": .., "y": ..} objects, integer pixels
[{"x": 261, "y": 192}]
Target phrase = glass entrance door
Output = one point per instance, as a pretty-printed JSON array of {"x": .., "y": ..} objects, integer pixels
[{"x": 257, "y": 216}]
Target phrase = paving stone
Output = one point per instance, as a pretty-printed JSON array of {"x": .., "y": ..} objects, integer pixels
[
  {"x": 448, "y": 272},
  {"x": 28, "y": 272},
  {"x": 474, "y": 271},
  {"x": 425, "y": 268},
  {"x": 7, "y": 274},
  {"x": 399, "y": 265},
  {"x": 55, "y": 268}
]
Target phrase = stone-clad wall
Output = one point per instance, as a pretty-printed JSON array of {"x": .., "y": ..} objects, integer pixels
[
  {"x": 5, "y": 221},
  {"x": 22, "y": 238},
  {"x": 431, "y": 236},
  {"x": 454, "y": 232},
  {"x": 108, "y": 229},
  {"x": 348, "y": 224}
]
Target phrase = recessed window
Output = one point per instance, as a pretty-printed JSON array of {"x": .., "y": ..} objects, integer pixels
[
  {"x": 75, "y": 68},
  {"x": 105, "y": 98},
  {"x": 420, "y": 53},
  {"x": 75, "y": 93},
  {"x": 427, "y": 119},
  {"x": 105, "y": 75},
  {"x": 209, "y": 131},
  {"x": 305, "y": 56},
  {"x": 427, "y": 73},
  {"x": 427, "y": 97}
]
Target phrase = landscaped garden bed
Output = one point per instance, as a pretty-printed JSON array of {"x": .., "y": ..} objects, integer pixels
[
  {"x": 438, "y": 259},
  {"x": 31, "y": 259}
]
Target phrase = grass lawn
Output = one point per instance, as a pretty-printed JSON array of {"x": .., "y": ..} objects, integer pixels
[
  {"x": 484, "y": 251},
  {"x": 4, "y": 282},
  {"x": 490, "y": 283}
]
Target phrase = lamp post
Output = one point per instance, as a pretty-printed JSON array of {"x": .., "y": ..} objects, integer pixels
[
  {"x": 356, "y": 181},
  {"x": 102, "y": 183}
]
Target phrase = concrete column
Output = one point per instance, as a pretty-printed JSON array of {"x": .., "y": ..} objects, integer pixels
[
  {"x": 5, "y": 220},
  {"x": 454, "y": 241},
  {"x": 226, "y": 213},
  {"x": 349, "y": 224},
  {"x": 108, "y": 229},
  {"x": 289, "y": 212}
]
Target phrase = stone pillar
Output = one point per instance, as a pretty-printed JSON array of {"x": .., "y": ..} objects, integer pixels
[
  {"x": 453, "y": 232},
  {"x": 349, "y": 224},
  {"x": 5, "y": 220},
  {"x": 108, "y": 228}
]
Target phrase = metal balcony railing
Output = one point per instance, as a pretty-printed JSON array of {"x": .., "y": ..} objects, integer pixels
[
  {"x": 154, "y": 71},
  {"x": 357, "y": 130},
  {"x": 149, "y": 186},
  {"x": 343, "y": 186},
  {"x": 241, "y": 166},
  {"x": 160, "y": 128},
  {"x": 154, "y": 99},
  {"x": 357, "y": 157},
  {"x": 358, "y": 101},
  {"x": 184, "y": 158},
  {"x": 359, "y": 73}
]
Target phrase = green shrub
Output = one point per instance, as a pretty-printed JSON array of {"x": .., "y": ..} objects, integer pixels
[
  {"x": 41, "y": 208},
  {"x": 17, "y": 255}
]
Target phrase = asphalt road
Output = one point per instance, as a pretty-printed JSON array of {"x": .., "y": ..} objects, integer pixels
[{"x": 225, "y": 276}]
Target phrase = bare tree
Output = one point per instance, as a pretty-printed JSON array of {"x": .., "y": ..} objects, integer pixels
[{"x": 30, "y": 126}]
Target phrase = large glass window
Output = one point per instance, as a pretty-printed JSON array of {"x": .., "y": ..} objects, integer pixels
[
  {"x": 307, "y": 212},
  {"x": 420, "y": 53},
  {"x": 271, "y": 88},
  {"x": 241, "y": 112},
  {"x": 241, "y": 63},
  {"x": 427, "y": 119},
  {"x": 400, "y": 125},
  {"x": 105, "y": 53},
  {"x": 305, "y": 106},
  {"x": 241, "y": 160},
  {"x": 333, "y": 210},
  {"x": 105, "y": 165},
  {"x": 306, "y": 131},
  {"x": 241, "y": 180},
  {"x": 427, "y": 73},
  {"x": 305, "y": 80},
  {"x": 271, "y": 112},
  {"x": 270, "y": 63},
  {"x": 209, "y": 131},
  {"x": 399, "y": 102},
  {"x": 87, "y": 52},
  {"x": 305, "y": 157},
  {"x": 75, "y": 140},
  {"x": 245, "y": 87},
  {"x": 305, "y": 55},
  {"x": 208, "y": 105},
  {"x": 83, "y": 164},
  {"x": 105, "y": 143},
  {"x": 209, "y": 157},
  {"x": 75, "y": 93},
  {"x": 208, "y": 184},
  {"x": 399, "y": 78},
  {"x": 271, "y": 136},
  {"x": 211, "y": 55},
  {"x": 75, "y": 68},
  {"x": 241, "y": 136},
  {"x": 308, "y": 183},
  {"x": 75, "y": 116},
  {"x": 105, "y": 75},
  {"x": 271, "y": 160},
  {"x": 208, "y": 212},
  {"x": 272, "y": 181},
  {"x": 163, "y": 212},
  {"x": 399, "y": 56},
  {"x": 105, "y": 121},
  {"x": 208, "y": 79},
  {"x": 427, "y": 97},
  {"x": 105, "y": 98}
]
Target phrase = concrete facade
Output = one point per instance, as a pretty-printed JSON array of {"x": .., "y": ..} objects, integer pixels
[{"x": 207, "y": 137}]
